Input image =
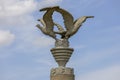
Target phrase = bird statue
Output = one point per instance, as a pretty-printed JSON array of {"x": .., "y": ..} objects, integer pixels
[
  {"x": 71, "y": 25},
  {"x": 43, "y": 29},
  {"x": 77, "y": 24},
  {"x": 47, "y": 22},
  {"x": 68, "y": 19}
]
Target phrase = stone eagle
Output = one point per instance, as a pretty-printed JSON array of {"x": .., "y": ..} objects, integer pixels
[
  {"x": 71, "y": 25},
  {"x": 47, "y": 22}
]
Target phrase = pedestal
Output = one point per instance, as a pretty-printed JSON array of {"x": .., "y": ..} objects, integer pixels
[
  {"x": 62, "y": 73},
  {"x": 62, "y": 55}
]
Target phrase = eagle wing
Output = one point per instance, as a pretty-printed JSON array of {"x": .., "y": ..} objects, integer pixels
[
  {"x": 68, "y": 19},
  {"x": 47, "y": 17}
]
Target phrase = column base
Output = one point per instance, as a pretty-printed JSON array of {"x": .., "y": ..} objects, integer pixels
[{"x": 62, "y": 73}]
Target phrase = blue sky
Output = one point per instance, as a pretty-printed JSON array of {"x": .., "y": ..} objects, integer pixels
[{"x": 25, "y": 51}]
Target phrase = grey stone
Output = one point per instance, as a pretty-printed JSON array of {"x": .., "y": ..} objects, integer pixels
[
  {"x": 60, "y": 43},
  {"x": 62, "y": 55},
  {"x": 70, "y": 25},
  {"x": 62, "y": 73}
]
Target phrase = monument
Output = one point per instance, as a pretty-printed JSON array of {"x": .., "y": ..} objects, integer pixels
[{"x": 61, "y": 52}]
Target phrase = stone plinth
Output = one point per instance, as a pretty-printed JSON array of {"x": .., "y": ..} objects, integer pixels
[
  {"x": 62, "y": 73},
  {"x": 62, "y": 55}
]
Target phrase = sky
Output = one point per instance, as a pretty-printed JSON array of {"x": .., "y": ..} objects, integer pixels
[{"x": 25, "y": 50}]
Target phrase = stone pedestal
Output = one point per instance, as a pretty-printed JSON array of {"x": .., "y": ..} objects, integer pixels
[
  {"x": 62, "y": 73},
  {"x": 62, "y": 55}
]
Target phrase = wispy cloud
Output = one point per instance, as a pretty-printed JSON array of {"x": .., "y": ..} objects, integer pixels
[
  {"x": 16, "y": 7},
  {"x": 16, "y": 15},
  {"x": 16, "y": 12},
  {"x": 6, "y": 37},
  {"x": 47, "y": 3}
]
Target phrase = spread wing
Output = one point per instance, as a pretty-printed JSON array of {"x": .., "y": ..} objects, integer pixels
[
  {"x": 47, "y": 17},
  {"x": 68, "y": 19},
  {"x": 78, "y": 23}
]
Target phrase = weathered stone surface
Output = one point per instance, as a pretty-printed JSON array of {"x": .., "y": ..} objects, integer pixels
[
  {"x": 62, "y": 55},
  {"x": 62, "y": 77},
  {"x": 71, "y": 25},
  {"x": 62, "y": 73},
  {"x": 60, "y": 43}
]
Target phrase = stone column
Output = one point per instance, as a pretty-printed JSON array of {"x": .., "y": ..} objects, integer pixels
[
  {"x": 62, "y": 73},
  {"x": 62, "y": 54}
]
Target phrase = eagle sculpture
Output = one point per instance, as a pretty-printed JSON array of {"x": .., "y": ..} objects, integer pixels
[
  {"x": 71, "y": 25},
  {"x": 47, "y": 22}
]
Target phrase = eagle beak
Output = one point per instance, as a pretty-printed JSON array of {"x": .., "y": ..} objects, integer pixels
[
  {"x": 38, "y": 20},
  {"x": 90, "y": 16}
]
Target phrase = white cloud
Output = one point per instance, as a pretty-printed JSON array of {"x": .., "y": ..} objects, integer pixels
[
  {"x": 110, "y": 73},
  {"x": 6, "y": 37},
  {"x": 16, "y": 12},
  {"x": 47, "y": 3},
  {"x": 22, "y": 7},
  {"x": 16, "y": 7}
]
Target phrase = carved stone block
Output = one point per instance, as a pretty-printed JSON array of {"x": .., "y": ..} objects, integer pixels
[{"x": 62, "y": 73}]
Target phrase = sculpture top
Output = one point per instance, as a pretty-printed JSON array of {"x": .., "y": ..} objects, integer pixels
[{"x": 70, "y": 25}]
